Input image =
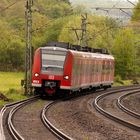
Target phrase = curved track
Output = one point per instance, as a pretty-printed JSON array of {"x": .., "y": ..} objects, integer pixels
[
  {"x": 125, "y": 109},
  {"x": 17, "y": 105},
  {"x": 50, "y": 126},
  {"x": 114, "y": 117}
]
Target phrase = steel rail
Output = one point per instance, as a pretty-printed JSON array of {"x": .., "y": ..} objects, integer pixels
[
  {"x": 125, "y": 109},
  {"x": 10, "y": 125},
  {"x": 50, "y": 126},
  {"x": 111, "y": 116}
]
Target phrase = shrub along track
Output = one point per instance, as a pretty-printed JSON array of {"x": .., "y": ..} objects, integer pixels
[{"x": 78, "y": 119}]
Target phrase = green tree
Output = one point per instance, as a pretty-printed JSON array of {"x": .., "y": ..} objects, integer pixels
[
  {"x": 11, "y": 48},
  {"x": 136, "y": 13},
  {"x": 100, "y": 31},
  {"x": 125, "y": 53},
  {"x": 54, "y": 8}
]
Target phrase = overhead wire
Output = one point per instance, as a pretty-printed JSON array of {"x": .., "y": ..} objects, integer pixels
[
  {"x": 44, "y": 25},
  {"x": 9, "y": 6},
  {"x": 97, "y": 8},
  {"x": 131, "y": 2},
  {"x": 105, "y": 30}
]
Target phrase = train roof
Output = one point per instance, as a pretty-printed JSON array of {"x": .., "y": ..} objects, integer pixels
[
  {"x": 54, "y": 48},
  {"x": 79, "y": 53},
  {"x": 77, "y": 47},
  {"x": 95, "y": 55}
]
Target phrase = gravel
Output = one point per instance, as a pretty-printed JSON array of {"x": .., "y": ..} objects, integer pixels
[
  {"x": 75, "y": 117},
  {"x": 28, "y": 122},
  {"x": 78, "y": 119},
  {"x": 133, "y": 102}
]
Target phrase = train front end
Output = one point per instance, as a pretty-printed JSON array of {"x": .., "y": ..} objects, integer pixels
[{"x": 49, "y": 74}]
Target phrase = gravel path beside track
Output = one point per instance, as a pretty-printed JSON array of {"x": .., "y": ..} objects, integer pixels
[{"x": 78, "y": 119}]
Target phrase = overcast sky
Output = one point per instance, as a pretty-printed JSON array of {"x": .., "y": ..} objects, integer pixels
[
  {"x": 112, "y": 0},
  {"x": 88, "y": 2}
]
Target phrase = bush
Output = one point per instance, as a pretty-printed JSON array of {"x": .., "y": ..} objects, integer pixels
[{"x": 118, "y": 79}]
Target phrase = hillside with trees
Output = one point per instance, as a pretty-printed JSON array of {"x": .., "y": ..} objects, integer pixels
[{"x": 53, "y": 20}]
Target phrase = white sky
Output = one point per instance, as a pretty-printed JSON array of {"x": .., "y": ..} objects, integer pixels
[{"x": 112, "y": 0}]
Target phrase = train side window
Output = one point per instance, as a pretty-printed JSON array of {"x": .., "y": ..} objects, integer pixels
[
  {"x": 97, "y": 70},
  {"x": 103, "y": 67}
]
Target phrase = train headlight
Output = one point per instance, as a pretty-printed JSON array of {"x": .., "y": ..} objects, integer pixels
[
  {"x": 36, "y": 74},
  {"x": 66, "y": 77}
]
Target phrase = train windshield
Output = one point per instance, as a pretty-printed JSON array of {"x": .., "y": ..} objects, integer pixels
[{"x": 53, "y": 61}]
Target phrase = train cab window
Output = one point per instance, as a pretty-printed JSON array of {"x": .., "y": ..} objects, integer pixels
[{"x": 53, "y": 61}]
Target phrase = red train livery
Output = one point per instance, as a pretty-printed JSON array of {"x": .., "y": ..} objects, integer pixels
[{"x": 56, "y": 69}]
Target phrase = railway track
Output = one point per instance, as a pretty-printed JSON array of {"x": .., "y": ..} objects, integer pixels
[
  {"x": 56, "y": 131},
  {"x": 125, "y": 109},
  {"x": 15, "y": 106},
  {"x": 50, "y": 126},
  {"x": 114, "y": 117},
  {"x": 12, "y": 129}
]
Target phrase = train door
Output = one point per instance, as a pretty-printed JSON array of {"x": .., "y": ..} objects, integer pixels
[
  {"x": 112, "y": 70},
  {"x": 100, "y": 71},
  {"x": 85, "y": 73},
  {"x": 95, "y": 71},
  {"x": 92, "y": 70},
  {"x": 107, "y": 70},
  {"x": 103, "y": 71},
  {"x": 88, "y": 71},
  {"x": 79, "y": 72},
  {"x": 82, "y": 71}
]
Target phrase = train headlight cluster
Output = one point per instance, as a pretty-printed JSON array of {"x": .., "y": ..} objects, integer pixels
[
  {"x": 36, "y": 74},
  {"x": 66, "y": 77}
]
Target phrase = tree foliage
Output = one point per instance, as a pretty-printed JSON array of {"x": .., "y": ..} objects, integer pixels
[
  {"x": 124, "y": 53},
  {"x": 54, "y": 8},
  {"x": 55, "y": 20},
  {"x": 11, "y": 48},
  {"x": 12, "y": 25},
  {"x": 100, "y": 31},
  {"x": 136, "y": 12}
]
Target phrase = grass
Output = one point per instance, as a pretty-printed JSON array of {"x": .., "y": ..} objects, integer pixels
[
  {"x": 10, "y": 80},
  {"x": 10, "y": 86},
  {"x": 123, "y": 83}
]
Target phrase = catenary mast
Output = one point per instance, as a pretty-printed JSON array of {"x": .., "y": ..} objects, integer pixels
[{"x": 29, "y": 50}]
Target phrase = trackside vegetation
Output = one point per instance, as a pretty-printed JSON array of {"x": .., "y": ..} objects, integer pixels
[
  {"x": 10, "y": 86},
  {"x": 53, "y": 21}
]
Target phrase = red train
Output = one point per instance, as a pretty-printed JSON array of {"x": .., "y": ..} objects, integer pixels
[{"x": 59, "y": 67}]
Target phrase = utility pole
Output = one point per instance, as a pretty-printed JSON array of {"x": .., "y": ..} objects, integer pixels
[
  {"x": 28, "y": 51},
  {"x": 83, "y": 41}
]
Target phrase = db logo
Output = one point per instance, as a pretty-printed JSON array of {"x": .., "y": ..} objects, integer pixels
[{"x": 51, "y": 77}]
